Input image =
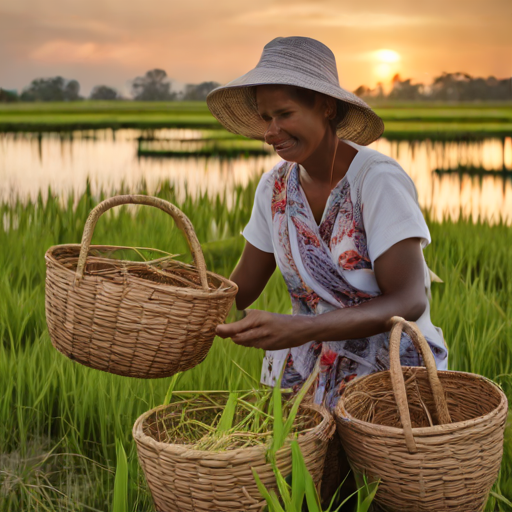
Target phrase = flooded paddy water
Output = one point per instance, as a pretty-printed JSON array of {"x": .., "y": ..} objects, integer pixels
[{"x": 31, "y": 163}]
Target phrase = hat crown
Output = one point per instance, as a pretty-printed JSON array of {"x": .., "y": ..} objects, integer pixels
[{"x": 301, "y": 55}]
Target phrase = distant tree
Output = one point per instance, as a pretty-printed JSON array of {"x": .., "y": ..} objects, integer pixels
[
  {"x": 199, "y": 92},
  {"x": 405, "y": 90},
  {"x": 363, "y": 91},
  {"x": 153, "y": 86},
  {"x": 450, "y": 86},
  {"x": 446, "y": 87},
  {"x": 8, "y": 96},
  {"x": 103, "y": 92},
  {"x": 51, "y": 89}
]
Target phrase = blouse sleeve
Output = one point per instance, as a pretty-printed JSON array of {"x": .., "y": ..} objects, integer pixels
[
  {"x": 390, "y": 209},
  {"x": 259, "y": 230}
]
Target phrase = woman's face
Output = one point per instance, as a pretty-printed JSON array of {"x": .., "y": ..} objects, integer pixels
[{"x": 294, "y": 129}]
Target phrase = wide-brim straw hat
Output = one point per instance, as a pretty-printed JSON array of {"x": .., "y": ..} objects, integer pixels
[{"x": 296, "y": 61}]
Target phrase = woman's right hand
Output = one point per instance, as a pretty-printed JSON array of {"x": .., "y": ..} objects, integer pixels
[{"x": 268, "y": 331}]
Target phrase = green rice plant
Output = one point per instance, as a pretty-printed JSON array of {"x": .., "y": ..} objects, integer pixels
[
  {"x": 302, "y": 489},
  {"x": 291, "y": 497},
  {"x": 80, "y": 412},
  {"x": 120, "y": 498},
  {"x": 282, "y": 428},
  {"x": 400, "y": 118}
]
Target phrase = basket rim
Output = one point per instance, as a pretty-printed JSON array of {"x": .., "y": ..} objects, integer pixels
[
  {"x": 183, "y": 451},
  {"x": 226, "y": 292},
  {"x": 341, "y": 414}
]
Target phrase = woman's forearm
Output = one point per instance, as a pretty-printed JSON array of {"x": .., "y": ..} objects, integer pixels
[
  {"x": 252, "y": 274},
  {"x": 400, "y": 276},
  {"x": 272, "y": 331},
  {"x": 368, "y": 319}
]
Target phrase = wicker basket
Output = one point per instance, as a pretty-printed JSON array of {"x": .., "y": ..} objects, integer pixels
[
  {"x": 433, "y": 450},
  {"x": 137, "y": 319},
  {"x": 183, "y": 479}
]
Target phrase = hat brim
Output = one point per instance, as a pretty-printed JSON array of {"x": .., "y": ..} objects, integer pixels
[{"x": 234, "y": 105}]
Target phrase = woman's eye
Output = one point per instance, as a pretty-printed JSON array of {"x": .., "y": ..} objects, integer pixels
[{"x": 285, "y": 114}]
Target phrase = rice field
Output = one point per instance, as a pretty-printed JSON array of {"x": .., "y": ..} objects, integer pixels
[
  {"x": 403, "y": 120},
  {"x": 60, "y": 421}
]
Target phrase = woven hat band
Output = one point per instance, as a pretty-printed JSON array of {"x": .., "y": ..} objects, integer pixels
[{"x": 300, "y": 55}]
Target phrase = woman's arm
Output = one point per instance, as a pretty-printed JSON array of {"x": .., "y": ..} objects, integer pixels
[
  {"x": 252, "y": 274},
  {"x": 400, "y": 276}
]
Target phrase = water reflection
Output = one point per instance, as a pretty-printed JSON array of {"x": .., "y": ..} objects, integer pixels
[{"x": 30, "y": 163}]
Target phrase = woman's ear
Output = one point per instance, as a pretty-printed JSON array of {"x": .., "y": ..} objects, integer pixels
[{"x": 330, "y": 108}]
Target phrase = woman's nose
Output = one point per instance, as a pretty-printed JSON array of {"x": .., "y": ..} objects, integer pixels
[{"x": 272, "y": 131}]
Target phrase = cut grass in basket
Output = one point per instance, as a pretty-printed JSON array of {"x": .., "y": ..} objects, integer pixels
[{"x": 207, "y": 421}]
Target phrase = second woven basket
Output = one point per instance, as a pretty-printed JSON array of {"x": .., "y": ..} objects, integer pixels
[
  {"x": 137, "y": 319},
  {"x": 433, "y": 439},
  {"x": 186, "y": 479}
]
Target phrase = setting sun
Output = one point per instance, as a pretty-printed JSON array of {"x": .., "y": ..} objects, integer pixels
[
  {"x": 387, "y": 56},
  {"x": 387, "y": 64}
]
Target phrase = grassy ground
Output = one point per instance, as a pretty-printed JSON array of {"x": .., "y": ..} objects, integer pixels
[
  {"x": 60, "y": 421},
  {"x": 402, "y": 120}
]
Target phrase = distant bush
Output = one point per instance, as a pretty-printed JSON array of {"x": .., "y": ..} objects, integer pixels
[
  {"x": 51, "y": 89},
  {"x": 198, "y": 92},
  {"x": 8, "y": 96},
  {"x": 153, "y": 86},
  {"x": 103, "y": 92}
]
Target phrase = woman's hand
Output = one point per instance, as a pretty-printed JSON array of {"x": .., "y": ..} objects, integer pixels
[
  {"x": 400, "y": 276},
  {"x": 269, "y": 331}
]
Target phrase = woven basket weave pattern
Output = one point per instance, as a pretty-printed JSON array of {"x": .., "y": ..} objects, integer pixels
[
  {"x": 182, "y": 479},
  {"x": 452, "y": 466},
  {"x": 141, "y": 322}
]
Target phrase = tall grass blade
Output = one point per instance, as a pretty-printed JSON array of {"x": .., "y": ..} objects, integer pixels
[
  {"x": 270, "y": 497},
  {"x": 365, "y": 492},
  {"x": 120, "y": 499},
  {"x": 287, "y": 428},
  {"x": 282, "y": 485},
  {"x": 501, "y": 498},
  {"x": 226, "y": 420},
  {"x": 277, "y": 409},
  {"x": 298, "y": 477},
  {"x": 170, "y": 390}
]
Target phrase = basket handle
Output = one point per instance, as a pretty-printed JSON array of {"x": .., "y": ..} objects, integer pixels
[
  {"x": 182, "y": 221},
  {"x": 397, "y": 377}
]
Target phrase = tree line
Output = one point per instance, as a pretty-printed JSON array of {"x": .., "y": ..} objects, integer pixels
[
  {"x": 446, "y": 87},
  {"x": 155, "y": 85}
]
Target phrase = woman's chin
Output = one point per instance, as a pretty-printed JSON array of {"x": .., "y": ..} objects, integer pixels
[{"x": 289, "y": 155}]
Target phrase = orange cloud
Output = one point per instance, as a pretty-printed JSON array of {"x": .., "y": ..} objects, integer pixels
[
  {"x": 315, "y": 14},
  {"x": 60, "y": 51}
]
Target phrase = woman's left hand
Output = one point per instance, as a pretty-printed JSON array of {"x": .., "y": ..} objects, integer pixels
[{"x": 269, "y": 331}]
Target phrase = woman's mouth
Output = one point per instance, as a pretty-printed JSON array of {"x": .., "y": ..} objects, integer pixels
[{"x": 284, "y": 145}]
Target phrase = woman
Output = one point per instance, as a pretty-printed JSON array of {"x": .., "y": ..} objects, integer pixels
[{"x": 340, "y": 220}]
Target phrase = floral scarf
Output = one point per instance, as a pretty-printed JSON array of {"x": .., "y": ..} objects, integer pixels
[{"x": 313, "y": 259}]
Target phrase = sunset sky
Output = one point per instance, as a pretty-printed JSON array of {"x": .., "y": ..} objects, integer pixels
[{"x": 112, "y": 41}]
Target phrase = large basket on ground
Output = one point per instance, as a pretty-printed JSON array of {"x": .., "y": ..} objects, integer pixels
[
  {"x": 184, "y": 479},
  {"x": 137, "y": 319},
  {"x": 434, "y": 439}
]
